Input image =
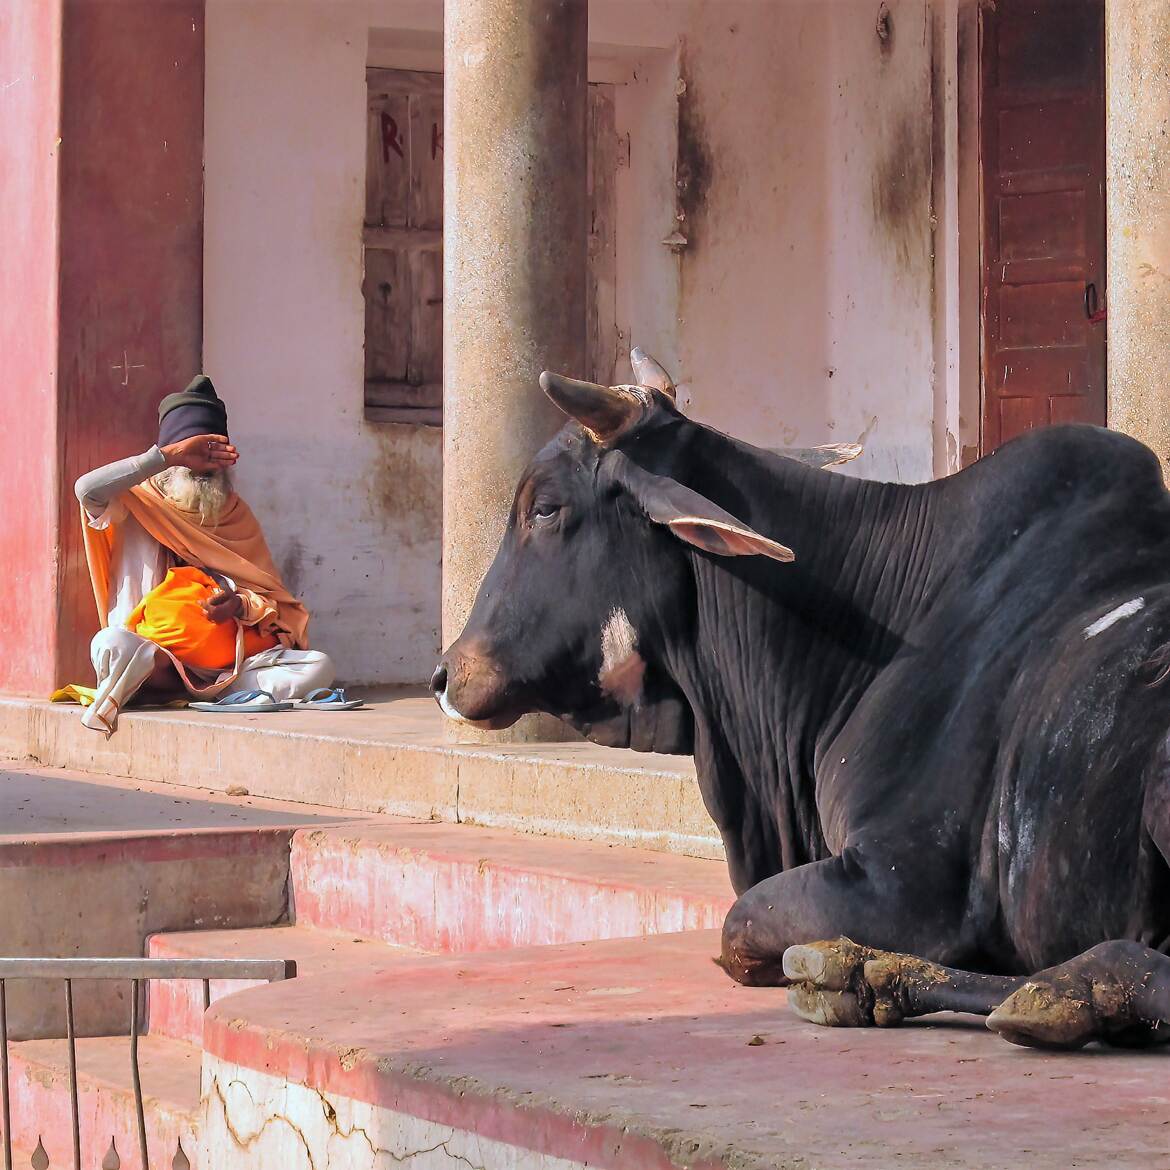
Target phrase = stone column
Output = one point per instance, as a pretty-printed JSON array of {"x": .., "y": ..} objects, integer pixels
[
  {"x": 1138, "y": 194},
  {"x": 514, "y": 262}
]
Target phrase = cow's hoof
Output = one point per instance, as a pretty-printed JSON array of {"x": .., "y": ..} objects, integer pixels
[
  {"x": 1040, "y": 1015},
  {"x": 830, "y": 1009},
  {"x": 843, "y": 985}
]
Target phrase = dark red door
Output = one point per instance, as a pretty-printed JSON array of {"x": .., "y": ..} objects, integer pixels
[{"x": 1042, "y": 131}]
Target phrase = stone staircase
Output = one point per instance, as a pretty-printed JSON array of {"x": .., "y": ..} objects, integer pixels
[
  {"x": 41, "y": 1111},
  {"x": 361, "y": 897},
  {"x": 467, "y": 996}
]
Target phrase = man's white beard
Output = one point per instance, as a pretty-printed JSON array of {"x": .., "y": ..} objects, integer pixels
[{"x": 207, "y": 493}]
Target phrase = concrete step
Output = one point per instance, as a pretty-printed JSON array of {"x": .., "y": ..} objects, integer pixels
[
  {"x": 640, "y": 1054},
  {"x": 394, "y": 757},
  {"x": 92, "y": 865},
  {"x": 176, "y": 1006},
  {"x": 460, "y": 888},
  {"x": 170, "y": 1085}
]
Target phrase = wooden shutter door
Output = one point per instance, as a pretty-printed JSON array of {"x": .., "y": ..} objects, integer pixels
[{"x": 403, "y": 237}]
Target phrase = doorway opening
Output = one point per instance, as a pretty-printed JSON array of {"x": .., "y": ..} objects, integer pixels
[{"x": 1042, "y": 178}]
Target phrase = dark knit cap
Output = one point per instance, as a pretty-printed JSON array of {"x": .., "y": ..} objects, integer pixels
[{"x": 198, "y": 410}]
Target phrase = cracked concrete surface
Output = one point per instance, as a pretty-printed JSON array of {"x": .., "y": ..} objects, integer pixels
[{"x": 252, "y": 1119}]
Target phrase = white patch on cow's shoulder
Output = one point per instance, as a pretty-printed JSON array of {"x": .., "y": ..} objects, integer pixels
[
  {"x": 622, "y": 667},
  {"x": 619, "y": 640},
  {"x": 1127, "y": 609}
]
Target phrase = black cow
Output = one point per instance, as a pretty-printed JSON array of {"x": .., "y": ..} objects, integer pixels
[{"x": 940, "y": 731}]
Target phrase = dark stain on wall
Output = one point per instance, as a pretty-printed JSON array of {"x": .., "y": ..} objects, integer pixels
[
  {"x": 938, "y": 139},
  {"x": 966, "y": 46},
  {"x": 292, "y": 569},
  {"x": 408, "y": 490},
  {"x": 693, "y": 166},
  {"x": 901, "y": 188},
  {"x": 885, "y": 31}
]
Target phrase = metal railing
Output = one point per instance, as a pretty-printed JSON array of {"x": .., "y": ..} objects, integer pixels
[{"x": 135, "y": 972}]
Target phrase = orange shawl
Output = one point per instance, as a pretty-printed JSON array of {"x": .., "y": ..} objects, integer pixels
[{"x": 234, "y": 546}]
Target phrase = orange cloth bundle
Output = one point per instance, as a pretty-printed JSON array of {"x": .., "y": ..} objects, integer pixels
[
  {"x": 234, "y": 546},
  {"x": 172, "y": 616}
]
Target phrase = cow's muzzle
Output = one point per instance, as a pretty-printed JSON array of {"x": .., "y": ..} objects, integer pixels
[{"x": 470, "y": 687}]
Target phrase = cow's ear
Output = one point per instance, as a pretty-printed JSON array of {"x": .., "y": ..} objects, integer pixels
[
  {"x": 647, "y": 372},
  {"x": 692, "y": 517},
  {"x": 727, "y": 538},
  {"x": 606, "y": 412}
]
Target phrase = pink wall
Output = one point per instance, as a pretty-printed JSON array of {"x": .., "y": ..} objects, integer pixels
[
  {"x": 29, "y": 117},
  {"x": 131, "y": 249}
]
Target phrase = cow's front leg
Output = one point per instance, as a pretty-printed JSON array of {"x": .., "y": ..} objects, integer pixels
[
  {"x": 1117, "y": 993},
  {"x": 881, "y": 902},
  {"x": 839, "y": 983}
]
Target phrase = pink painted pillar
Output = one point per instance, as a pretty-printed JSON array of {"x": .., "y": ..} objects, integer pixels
[{"x": 101, "y": 130}]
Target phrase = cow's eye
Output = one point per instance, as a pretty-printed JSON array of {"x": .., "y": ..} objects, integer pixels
[{"x": 543, "y": 512}]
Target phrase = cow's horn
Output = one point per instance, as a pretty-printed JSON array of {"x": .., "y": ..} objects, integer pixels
[
  {"x": 604, "y": 411},
  {"x": 647, "y": 372}
]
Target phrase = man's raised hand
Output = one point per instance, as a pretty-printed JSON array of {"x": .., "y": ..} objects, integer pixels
[{"x": 201, "y": 453}]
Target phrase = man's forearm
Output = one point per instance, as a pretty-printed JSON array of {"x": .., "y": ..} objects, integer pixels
[{"x": 97, "y": 488}]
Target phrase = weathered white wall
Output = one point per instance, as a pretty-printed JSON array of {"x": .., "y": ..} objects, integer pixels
[
  {"x": 800, "y": 310},
  {"x": 352, "y": 510},
  {"x": 805, "y": 308}
]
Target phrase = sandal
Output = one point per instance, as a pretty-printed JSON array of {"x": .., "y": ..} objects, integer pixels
[
  {"x": 328, "y": 699},
  {"x": 243, "y": 702}
]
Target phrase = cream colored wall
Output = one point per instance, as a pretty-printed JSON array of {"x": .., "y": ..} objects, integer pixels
[
  {"x": 352, "y": 510},
  {"x": 801, "y": 309}
]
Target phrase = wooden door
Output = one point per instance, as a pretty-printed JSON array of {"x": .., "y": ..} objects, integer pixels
[{"x": 1042, "y": 147}]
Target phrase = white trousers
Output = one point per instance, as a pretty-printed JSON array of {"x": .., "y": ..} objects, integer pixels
[{"x": 123, "y": 661}]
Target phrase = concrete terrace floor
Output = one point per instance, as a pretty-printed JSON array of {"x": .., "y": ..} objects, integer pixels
[
  {"x": 627, "y": 1053},
  {"x": 42, "y": 802},
  {"x": 650, "y": 1048},
  {"x": 395, "y": 756}
]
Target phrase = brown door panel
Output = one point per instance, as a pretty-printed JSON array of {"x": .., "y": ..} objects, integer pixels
[{"x": 1042, "y": 130}]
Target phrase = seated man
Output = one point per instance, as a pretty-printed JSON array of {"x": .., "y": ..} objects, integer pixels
[{"x": 170, "y": 507}]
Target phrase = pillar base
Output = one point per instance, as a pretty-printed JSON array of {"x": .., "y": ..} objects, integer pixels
[{"x": 528, "y": 729}]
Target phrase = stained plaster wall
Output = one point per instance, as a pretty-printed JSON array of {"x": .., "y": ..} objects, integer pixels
[
  {"x": 802, "y": 309},
  {"x": 802, "y": 154},
  {"x": 99, "y": 284},
  {"x": 30, "y": 118}
]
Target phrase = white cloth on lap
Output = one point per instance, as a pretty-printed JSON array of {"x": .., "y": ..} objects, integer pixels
[{"x": 124, "y": 660}]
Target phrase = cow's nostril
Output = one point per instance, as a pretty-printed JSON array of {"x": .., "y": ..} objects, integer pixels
[{"x": 439, "y": 679}]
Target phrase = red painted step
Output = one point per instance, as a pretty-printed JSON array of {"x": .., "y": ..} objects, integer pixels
[
  {"x": 640, "y": 1054},
  {"x": 170, "y": 1085},
  {"x": 176, "y": 1005},
  {"x": 460, "y": 888}
]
